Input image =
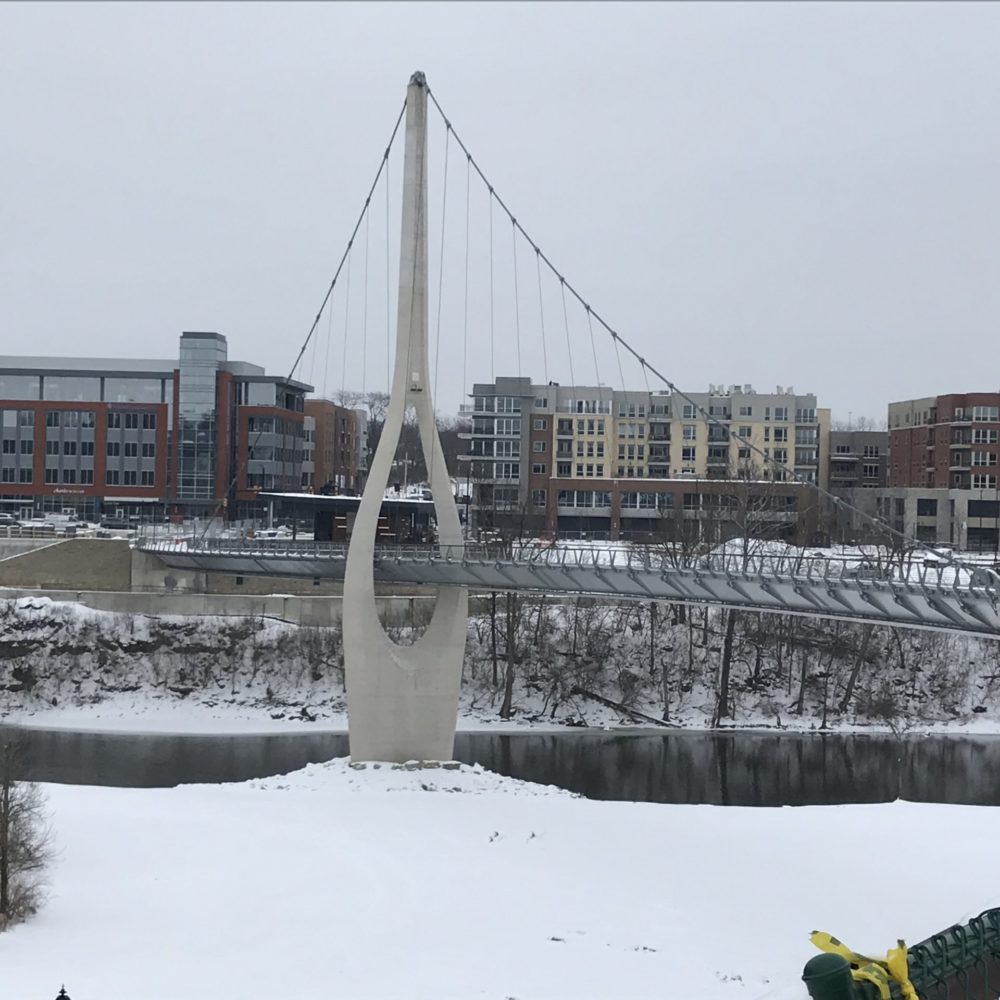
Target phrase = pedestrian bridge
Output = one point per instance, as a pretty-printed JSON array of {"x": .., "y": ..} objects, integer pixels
[{"x": 899, "y": 591}]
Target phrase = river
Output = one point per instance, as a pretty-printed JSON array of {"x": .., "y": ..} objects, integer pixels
[{"x": 733, "y": 768}]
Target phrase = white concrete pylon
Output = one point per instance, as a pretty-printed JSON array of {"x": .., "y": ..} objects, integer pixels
[{"x": 402, "y": 701}]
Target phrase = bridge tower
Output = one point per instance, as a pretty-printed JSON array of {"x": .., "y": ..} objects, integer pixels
[{"x": 402, "y": 701}]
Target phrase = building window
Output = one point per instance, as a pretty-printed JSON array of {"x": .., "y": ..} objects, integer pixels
[
  {"x": 744, "y": 431},
  {"x": 541, "y": 403},
  {"x": 52, "y": 418},
  {"x": 51, "y": 475},
  {"x": 984, "y": 414},
  {"x": 24, "y": 475},
  {"x": 26, "y": 418},
  {"x": 69, "y": 476},
  {"x": 27, "y": 446},
  {"x": 688, "y": 411},
  {"x": 149, "y": 421},
  {"x": 869, "y": 471},
  {"x": 114, "y": 449},
  {"x": 984, "y": 435},
  {"x": 538, "y": 498},
  {"x": 983, "y": 458},
  {"x": 86, "y": 447},
  {"x": 88, "y": 418},
  {"x": 148, "y": 477},
  {"x": 130, "y": 477},
  {"x": 87, "y": 477},
  {"x": 926, "y": 507},
  {"x": 131, "y": 449},
  {"x": 7, "y": 475},
  {"x": 870, "y": 451},
  {"x": 538, "y": 446},
  {"x": 689, "y": 432},
  {"x": 540, "y": 423},
  {"x": 114, "y": 419},
  {"x": 9, "y": 446},
  {"x": 780, "y": 433},
  {"x": 69, "y": 447},
  {"x": 746, "y": 411},
  {"x": 983, "y": 482},
  {"x": 538, "y": 469},
  {"x": 112, "y": 477},
  {"x": 687, "y": 454},
  {"x": 781, "y": 413},
  {"x": 51, "y": 447},
  {"x": 149, "y": 451},
  {"x": 564, "y": 470}
]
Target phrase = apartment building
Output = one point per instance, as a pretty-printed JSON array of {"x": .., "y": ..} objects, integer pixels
[
  {"x": 943, "y": 470},
  {"x": 198, "y": 435},
  {"x": 339, "y": 447},
  {"x": 858, "y": 465},
  {"x": 588, "y": 458}
]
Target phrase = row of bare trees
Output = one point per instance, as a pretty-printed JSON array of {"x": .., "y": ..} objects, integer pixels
[{"x": 541, "y": 657}]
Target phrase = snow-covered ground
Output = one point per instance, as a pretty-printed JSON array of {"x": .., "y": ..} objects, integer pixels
[{"x": 433, "y": 883}]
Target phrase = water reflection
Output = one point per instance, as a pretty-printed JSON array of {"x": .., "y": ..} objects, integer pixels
[{"x": 752, "y": 769}]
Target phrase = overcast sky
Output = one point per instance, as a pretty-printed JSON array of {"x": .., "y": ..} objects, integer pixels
[{"x": 793, "y": 194}]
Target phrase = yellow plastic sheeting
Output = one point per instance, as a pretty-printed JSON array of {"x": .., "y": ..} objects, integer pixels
[{"x": 894, "y": 968}]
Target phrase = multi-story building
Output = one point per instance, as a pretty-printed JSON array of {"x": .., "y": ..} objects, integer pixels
[
  {"x": 339, "y": 447},
  {"x": 858, "y": 464},
  {"x": 587, "y": 459},
  {"x": 858, "y": 460},
  {"x": 945, "y": 442},
  {"x": 943, "y": 470},
  {"x": 197, "y": 436}
]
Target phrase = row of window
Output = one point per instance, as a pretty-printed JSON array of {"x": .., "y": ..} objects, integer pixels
[
  {"x": 985, "y": 414},
  {"x": 115, "y": 419}
]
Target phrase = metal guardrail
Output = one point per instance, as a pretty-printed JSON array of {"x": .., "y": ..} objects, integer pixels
[{"x": 791, "y": 564}]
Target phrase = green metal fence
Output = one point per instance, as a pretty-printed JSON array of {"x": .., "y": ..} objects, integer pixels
[{"x": 960, "y": 963}]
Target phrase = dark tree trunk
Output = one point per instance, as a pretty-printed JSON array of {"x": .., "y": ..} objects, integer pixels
[{"x": 722, "y": 710}]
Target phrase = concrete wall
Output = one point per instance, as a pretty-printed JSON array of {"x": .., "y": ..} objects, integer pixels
[
  {"x": 18, "y": 546},
  {"x": 72, "y": 564},
  {"x": 315, "y": 611}
]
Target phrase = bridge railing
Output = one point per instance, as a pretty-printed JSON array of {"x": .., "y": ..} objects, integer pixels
[{"x": 768, "y": 562}]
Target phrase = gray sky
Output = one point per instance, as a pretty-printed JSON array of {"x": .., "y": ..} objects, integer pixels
[{"x": 794, "y": 194}]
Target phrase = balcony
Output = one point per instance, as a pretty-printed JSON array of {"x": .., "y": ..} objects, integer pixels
[
  {"x": 960, "y": 443},
  {"x": 845, "y": 456}
]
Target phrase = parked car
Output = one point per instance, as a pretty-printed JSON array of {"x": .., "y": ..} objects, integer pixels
[{"x": 9, "y": 521}]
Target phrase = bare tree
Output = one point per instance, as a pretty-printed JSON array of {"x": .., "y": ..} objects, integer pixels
[{"x": 25, "y": 841}]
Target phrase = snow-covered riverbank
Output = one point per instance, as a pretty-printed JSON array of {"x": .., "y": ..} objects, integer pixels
[{"x": 395, "y": 884}]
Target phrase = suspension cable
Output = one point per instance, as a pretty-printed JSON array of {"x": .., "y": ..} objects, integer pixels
[
  {"x": 388, "y": 294},
  {"x": 347, "y": 320},
  {"x": 541, "y": 314},
  {"x": 364, "y": 318},
  {"x": 768, "y": 460},
  {"x": 437, "y": 333},
  {"x": 517, "y": 301},
  {"x": 465, "y": 314},
  {"x": 493, "y": 367}
]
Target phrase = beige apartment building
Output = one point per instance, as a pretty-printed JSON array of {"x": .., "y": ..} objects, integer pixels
[{"x": 533, "y": 446}]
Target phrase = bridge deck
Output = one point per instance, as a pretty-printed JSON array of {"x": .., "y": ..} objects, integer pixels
[{"x": 912, "y": 595}]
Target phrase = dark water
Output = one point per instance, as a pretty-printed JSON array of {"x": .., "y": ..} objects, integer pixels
[{"x": 758, "y": 769}]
